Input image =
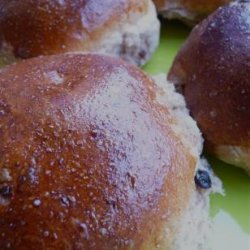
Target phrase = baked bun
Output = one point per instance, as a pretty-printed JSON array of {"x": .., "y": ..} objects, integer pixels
[
  {"x": 92, "y": 157},
  {"x": 189, "y": 11},
  {"x": 213, "y": 70},
  {"x": 128, "y": 29}
]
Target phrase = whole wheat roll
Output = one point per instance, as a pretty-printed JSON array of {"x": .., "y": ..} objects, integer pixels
[
  {"x": 128, "y": 29},
  {"x": 89, "y": 158},
  {"x": 212, "y": 69}
]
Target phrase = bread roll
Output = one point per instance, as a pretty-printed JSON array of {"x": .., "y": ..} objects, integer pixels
[
  {"x": 213, "y": 69},
  {"x": 93, "y": 156},
  {"x": 128, "y": 29},
  {"x": 189, "y": 11}
]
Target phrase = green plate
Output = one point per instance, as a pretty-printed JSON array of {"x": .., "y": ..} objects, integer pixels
[{"x": 230, "y": 213}]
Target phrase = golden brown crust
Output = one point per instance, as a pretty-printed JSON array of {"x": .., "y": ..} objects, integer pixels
[
  {"x": 44, "y": 27},
  {"x": 88, "y": 157},
  {"x": 203, "y": 7},
  {"x": 213, "y": 69}
]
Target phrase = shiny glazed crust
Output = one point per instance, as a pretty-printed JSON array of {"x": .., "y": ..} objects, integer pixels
[
  {"x": 191, "y": 11},
  {"x": 30, "y": 28},
  {"x": 88, "y": 158},
  {"x": 213, "y": 70}
]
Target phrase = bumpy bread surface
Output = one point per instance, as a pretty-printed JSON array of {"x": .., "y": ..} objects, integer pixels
[
  {"x": 213, "y": 69},
  {"x": 190, "y": 11},
  {"x": 88, "y": 158},
  {"x": 30, "y": 28}
]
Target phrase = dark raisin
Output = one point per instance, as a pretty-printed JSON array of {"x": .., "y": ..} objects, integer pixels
[
  {"x": 202, "y": 179},
  {"x": 93, "y": 133},
  {"x": 6, "y": 191},
  {"x": 142, "y": 54}
]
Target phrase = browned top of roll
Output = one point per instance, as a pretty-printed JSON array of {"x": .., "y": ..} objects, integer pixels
[
  {"x": 88, "y": 159},
  {"x": 201, "y": 7},
  {"x": 213, "y": 67},
  {"x": 43, "y": 27}
]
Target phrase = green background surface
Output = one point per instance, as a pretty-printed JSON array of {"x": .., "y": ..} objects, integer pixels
[{"x": 231, "y": 212}]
